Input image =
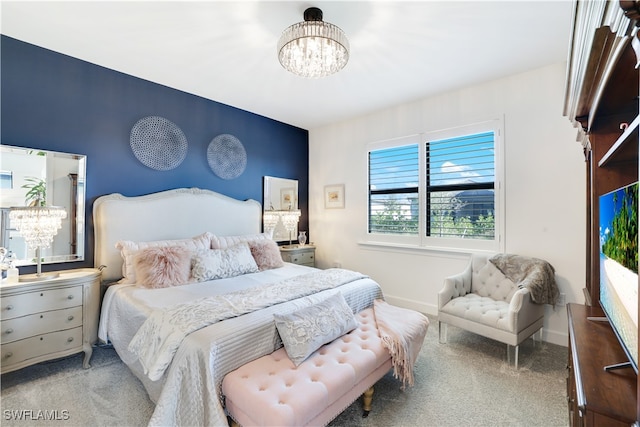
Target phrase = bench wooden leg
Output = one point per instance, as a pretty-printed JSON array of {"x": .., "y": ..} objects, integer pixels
[{"x": 367, "y": 397}]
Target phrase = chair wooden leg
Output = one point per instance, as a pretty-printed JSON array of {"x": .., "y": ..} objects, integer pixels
[{"x": 367, "y": 398}]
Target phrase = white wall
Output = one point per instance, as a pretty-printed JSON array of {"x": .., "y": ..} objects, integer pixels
[{"x": 544, "y": 181}]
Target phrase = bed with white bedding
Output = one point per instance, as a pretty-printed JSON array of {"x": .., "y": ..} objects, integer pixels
[{"x": 186, "y": 390}]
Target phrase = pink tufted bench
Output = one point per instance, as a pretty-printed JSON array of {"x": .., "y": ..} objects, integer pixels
[{"x": 271, "y": 391}]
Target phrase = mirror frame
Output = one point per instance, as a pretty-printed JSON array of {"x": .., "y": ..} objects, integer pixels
[
  {"x": 280, "y": 194},
  {"x": 64, "y": 185}
]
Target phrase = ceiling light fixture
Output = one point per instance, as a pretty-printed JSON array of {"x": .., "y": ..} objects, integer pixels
[{"x": 313, "y": 48}]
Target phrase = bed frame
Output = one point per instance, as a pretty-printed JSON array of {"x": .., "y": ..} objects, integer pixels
[{"x": 172, "y": 214}]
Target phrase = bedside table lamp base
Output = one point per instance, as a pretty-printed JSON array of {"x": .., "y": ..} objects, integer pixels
[{"x": 38, "y": 276}]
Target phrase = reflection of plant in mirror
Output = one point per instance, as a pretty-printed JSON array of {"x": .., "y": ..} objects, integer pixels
[
  {"x": 37, "y": 194},
  {"x": 37, "y": 153}
]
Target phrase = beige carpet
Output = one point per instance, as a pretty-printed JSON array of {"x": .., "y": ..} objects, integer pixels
[{"x": 465, "y": 382}]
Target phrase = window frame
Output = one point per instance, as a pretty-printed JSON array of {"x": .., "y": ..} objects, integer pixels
[{"x": 421, "y": 240}]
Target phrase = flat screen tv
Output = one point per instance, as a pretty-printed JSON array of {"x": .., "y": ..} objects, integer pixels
[{"x": 619, "y": 267}]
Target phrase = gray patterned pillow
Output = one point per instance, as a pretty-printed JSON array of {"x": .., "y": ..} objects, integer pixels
[
  {"x": 306, "y": 330},
  {"x": 211, "y": 264}
]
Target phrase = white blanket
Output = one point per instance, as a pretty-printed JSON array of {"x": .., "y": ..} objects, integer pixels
[
  {"x": 158, "y": 339},
  {"x": 189, "y": 391}
]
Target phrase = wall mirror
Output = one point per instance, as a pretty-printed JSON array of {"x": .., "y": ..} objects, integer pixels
[
  {"x": 26, "y": 174},
  {"x": 280, "y": 194}
]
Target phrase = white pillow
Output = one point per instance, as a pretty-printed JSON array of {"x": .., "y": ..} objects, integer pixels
[
  {"x": 129, "y": 250},
  {"x": 224, "y": 242},
  {"x": 211, "y": 264},
  {"x": 306, "y": 330}
]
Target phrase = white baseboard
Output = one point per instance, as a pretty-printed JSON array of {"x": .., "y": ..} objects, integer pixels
[
  {"x": 428, "y": 309},
  {"x": 555, "y": 337}
]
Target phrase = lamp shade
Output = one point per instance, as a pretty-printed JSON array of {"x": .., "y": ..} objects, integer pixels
[
  {"x": 270, "y": 219},
  {"x": 313, "y": 48},
  {"x": 290, "y": 219},
  {"x": 37, "y": 224}
]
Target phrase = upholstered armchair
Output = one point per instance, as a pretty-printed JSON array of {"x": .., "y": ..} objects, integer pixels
[{"x": 482, "y": 300}]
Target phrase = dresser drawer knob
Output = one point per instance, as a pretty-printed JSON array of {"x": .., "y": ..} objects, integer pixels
[
  {"x": 70, "y": 339},
  {"x": 9, "y": 307},
  {"x": 8, "y": 331},
  {"x": 8, "y": 355},
  {"x": 70, "y": 297},
  {"x": 70, "y": 318}
]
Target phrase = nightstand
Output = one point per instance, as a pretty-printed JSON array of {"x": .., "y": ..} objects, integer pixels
[
  {"x": 48, "y": 319},
  {"x": 296, "y": 254}
]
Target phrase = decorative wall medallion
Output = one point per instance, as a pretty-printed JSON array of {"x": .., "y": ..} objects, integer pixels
[
  {"x": 226, "y": 156},
  {"x": 158, "y": 143}
]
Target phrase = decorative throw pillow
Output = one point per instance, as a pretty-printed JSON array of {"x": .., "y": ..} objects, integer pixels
[
  {"x": 129, "y": 250},
  {"x": 266, "y": 253},
  {"x": 211, "y": 264},
  {"x": 306, "y": 330},
  {"x": 161, "y": 267},
  {"x": 224, "y": 242}
]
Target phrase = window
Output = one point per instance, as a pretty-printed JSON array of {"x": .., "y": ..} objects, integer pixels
[
  {"x": 6, "y": 180},
  {"x": 460, "y": 187},
  {"x": 393, "y": 194},
  {"x": 438, "y": 189}
]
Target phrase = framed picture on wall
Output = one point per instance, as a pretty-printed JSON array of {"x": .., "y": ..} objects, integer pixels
[
  {"x": 334, "y": 196},
  {"x": 288, "y": 199}
]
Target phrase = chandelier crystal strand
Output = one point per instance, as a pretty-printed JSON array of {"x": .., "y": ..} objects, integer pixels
[
  {"x": 270, "y": 219},
  {"x": 37, "y": 224},
  {"x": 313, "y": 48},
  {"x": 290, "y": 221}
]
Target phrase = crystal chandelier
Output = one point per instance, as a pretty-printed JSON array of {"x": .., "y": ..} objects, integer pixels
[
  {"x": 313, "y": 48},
  {"x": 37, "y": 225}
]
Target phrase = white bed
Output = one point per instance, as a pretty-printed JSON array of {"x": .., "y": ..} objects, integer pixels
[{"x": 188, "y": 393}]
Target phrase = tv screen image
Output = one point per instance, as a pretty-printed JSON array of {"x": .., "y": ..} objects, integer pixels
[{"x": 619, "y": 265}]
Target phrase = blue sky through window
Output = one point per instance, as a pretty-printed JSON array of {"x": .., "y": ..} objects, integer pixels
[{"x": 465, "y": 159}]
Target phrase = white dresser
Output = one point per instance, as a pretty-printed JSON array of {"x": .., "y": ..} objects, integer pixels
[
  {"x": 296, "y": 254},
  {"x": 49, "y": 319}
]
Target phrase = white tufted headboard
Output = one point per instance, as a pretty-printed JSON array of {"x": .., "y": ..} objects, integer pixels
[{"x": 171, "y": 214}]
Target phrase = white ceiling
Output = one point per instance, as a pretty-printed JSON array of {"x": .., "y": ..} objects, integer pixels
[{"x": 226, "y": 51}]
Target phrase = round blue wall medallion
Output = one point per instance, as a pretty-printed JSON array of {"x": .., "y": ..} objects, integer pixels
[
  {"x": 226, "y": 156},
  {"x": 158, "y": 143}
]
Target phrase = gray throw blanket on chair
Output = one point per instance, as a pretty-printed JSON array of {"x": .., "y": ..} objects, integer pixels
[{"x": 532, "y": 273}]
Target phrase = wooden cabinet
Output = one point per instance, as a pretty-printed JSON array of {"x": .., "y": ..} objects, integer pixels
[
  {"x": 603, "y": 84},
  {"x": 597, "y": 397},
  {"x": 303, "y": 255},
  {"x": 602, "y": 102},
  {"x": 49, "y": 319}
]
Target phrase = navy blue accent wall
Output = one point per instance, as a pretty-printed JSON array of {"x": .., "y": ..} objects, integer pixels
[{"x": 55, "y": 102}]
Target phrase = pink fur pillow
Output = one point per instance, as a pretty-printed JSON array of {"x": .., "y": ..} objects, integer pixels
[
  {"x": 161, "y": 267},
  {"x": 266, "y": 253}
]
